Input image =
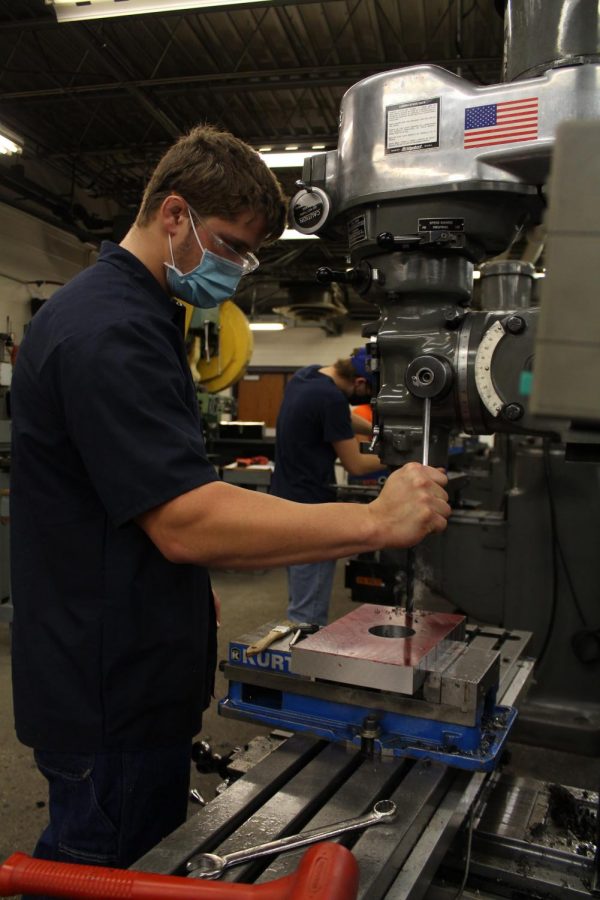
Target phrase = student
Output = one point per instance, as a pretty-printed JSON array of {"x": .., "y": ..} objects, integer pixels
[{"x": 117, "y": 513}]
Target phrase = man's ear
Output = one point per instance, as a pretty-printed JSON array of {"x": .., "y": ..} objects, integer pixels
[{"x": 173, "y": 213}]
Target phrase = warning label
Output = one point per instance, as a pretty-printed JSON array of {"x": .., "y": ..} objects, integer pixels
[
  {"x": 412, "y": 126},
  {"x": 357, "y": 230}
]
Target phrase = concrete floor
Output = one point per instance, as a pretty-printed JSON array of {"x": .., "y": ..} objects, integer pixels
[{"x": 248, "y": 600}]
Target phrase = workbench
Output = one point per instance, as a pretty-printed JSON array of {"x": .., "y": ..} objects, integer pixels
[{"x": 255, "y": 477}]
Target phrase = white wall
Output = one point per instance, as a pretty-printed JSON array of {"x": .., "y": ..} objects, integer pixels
[
  {"x": 304, "y": 346},
  {"x": 32, "y": 251}
]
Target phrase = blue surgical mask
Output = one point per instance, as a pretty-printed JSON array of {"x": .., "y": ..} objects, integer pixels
[{"x": 214, "y": 279}]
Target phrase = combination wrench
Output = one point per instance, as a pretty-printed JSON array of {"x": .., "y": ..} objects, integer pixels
[{"x": 211, "y": 865}]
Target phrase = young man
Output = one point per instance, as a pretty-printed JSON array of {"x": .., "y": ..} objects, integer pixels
[
  {"x": 117, "y": 512},
  {"x": 314, "y": 428}
]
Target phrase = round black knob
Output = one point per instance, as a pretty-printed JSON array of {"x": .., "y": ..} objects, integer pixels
[
  {"x": 515, "y": 324},
  {"x": 513, "y": 411},
  {"x": 325, "y": 275},
  {"x": 454, "y": 318},
  {"x": 428, "y": 376}
]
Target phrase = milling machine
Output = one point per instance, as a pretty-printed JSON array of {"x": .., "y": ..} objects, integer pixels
[
  {"x": 432, "y": 178},
  {"x": 435, "y": 180}
]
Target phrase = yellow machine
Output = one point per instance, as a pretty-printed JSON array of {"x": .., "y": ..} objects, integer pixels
[{"x": 220, "y": 345}]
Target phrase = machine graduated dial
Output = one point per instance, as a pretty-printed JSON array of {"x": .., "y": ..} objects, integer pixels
[{"x": 483, "y": 369}]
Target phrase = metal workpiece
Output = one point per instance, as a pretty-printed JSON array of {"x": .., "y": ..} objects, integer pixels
[{"x": 379, "y": 647}]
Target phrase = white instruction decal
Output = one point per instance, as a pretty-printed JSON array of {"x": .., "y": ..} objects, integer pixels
[{"x": 412, "y": 126}]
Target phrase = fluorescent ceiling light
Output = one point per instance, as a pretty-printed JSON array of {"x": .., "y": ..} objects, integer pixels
[
  {"x": 285, "y": 160},
  {"x": 290, "y": 234},
  {"x": 73, "y": 10},
  {"x": 9, "y": 141},
  {"x": 267, "y": 326}
]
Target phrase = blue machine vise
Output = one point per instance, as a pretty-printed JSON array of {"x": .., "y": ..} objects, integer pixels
[{"x": 447, "y": 709}]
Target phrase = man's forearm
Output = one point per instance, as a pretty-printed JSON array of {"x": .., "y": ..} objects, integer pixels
[
  {"x": 220, "y": 525},
  {"x": 367, "y": 463},
  {"x": 360, "y": 425}
]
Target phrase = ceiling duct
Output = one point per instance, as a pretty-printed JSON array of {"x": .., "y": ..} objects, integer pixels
[{"x": 312, "y": 305}]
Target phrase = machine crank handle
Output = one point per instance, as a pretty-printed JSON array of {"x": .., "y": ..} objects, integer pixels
[
  {"x": 211, "y": 865},
  {"x": 426, "y": 429},
  {"x": 374, "y": 439},
  {"x": 325, "y": 872}
]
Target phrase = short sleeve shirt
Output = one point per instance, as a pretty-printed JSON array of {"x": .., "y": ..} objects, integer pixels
[
  {"x": 313, "y": 416},
  {"x": 113, "y": 646}
]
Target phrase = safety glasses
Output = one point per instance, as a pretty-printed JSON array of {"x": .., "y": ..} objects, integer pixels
[{"x": 247, "y": 260}]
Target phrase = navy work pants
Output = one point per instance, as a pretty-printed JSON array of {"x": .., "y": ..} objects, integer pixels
[
  {"x": 109, "y": 809},
  {"x": 310, "y": 586}
]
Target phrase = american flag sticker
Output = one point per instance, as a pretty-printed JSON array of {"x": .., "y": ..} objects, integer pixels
[{"x": 501, "y": 123}]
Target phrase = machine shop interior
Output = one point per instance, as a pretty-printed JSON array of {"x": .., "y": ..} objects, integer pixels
[{"x": 442, "y": 159}]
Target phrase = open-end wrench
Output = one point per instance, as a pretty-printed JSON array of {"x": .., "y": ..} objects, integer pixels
[{"x": 210, "y": 865}]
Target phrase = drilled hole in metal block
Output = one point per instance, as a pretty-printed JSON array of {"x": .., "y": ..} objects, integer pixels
[{"x": 392, "y": 631}]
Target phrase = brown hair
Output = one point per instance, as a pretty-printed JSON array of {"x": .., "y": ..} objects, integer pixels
[
  {"x": 218, "y": 175},
  {"x": 345, "y": 369}
]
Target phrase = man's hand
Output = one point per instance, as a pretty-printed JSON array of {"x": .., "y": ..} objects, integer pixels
[{"x": 412, "y": 504}]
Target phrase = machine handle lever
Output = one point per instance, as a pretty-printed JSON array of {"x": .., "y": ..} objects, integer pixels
[
  {"x": 325, "y": 275},
  {"x": 389, "y": 241},
  {"x": 426, "y": 429},
  {"x": 374, "y": 439}
]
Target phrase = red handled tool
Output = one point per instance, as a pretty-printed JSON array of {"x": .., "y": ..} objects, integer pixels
[{"x": 327, "y": 871}]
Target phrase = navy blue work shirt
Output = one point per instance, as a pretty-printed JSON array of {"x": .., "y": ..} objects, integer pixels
[
  {"x": 114, "y": 647},
  {"x": 313, "y": 416}
]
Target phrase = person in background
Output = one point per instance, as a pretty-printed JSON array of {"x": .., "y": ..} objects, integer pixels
[
  {"x": 315, "y": 426},
  {"x": 363, "y": 436},
  {"x": 117, "y": 514}
]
